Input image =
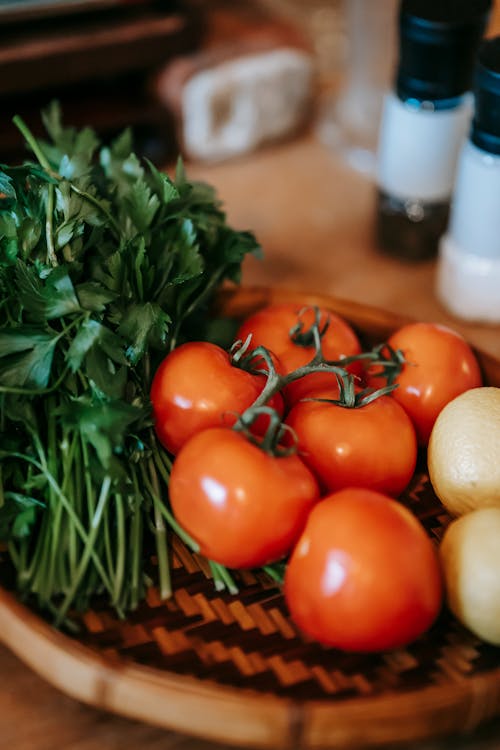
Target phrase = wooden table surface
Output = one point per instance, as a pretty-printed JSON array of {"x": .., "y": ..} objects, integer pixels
[{"x": 313, "y": 216}]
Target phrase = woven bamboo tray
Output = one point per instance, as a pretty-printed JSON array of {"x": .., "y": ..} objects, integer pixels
[{"x": 234, "y": 668}]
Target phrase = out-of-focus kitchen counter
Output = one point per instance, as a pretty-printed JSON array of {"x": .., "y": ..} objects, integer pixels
[{"x": 313, "y": 216}]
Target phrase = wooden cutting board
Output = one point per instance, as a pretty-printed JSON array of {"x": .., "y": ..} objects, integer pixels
[{"x": 235, "y": 669}]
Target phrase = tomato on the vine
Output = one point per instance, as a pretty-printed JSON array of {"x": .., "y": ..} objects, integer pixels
[
  {"x": 244, "y": 507},
  {"x": 440, "y": 366},
  {"x": 372, "y": 446},
  {"x": 196, "y": 386},
  {"x": 364, "y": 575},
  {"x": 271, "y": 326}
]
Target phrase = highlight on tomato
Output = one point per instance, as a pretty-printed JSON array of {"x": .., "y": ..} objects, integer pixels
[
  {"x": 244, "y": 507},
  {"x": 364, "y": 576},
  {"x": 197, "y": 386},
  {"x": 439, "y": 365},
  {"x": 286, "y": 330},
  {"x": 361, "y": 443}
]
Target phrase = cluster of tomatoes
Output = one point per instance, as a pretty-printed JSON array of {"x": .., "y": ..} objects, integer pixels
[{"x": 361, "y": 572}]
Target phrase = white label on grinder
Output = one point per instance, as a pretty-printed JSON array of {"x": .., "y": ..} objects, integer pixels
[
  {"x": 419, "y": 147},
  {"x": 475, "y": 214}
]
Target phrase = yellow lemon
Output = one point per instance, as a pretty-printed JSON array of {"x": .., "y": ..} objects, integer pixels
[
  {"x": 470, "y": 556},
  {"x": 464, "y": 451}
]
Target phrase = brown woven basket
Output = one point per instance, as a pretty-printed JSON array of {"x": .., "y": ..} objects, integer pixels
[{"x": 234, "y": 668}]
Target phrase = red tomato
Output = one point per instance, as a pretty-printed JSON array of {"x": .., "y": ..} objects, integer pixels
[
  {"x": 371, "y": 446},
  {"x": 244, "y": 507},
  {"x": 441, "y": 365},
  {"x": 270, "y": 327},
  {"x": 196, "y": 387},
  {"x": 364, "y": 576}
]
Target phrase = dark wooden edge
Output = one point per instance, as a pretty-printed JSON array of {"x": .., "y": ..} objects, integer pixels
[{"x": 240, "y": 716}]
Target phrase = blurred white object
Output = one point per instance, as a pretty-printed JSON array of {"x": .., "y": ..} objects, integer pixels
[
  {"x": 468, "y": 280},
  {"x": 349, "y": 121},
  {"x": 419, "y": 148},
  {"x": 232, "y": 102},
  {"x": 236, "y": 106}
]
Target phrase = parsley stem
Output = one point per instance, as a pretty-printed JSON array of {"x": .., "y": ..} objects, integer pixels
[
  {"x": 188, "y": 541},
  {"x": 55, "y": 509},
  {"x": 32, "y": 143},
  {"x": 107, "y": 550},
  {"x": 49, "y": 230},
  {"x": 14, "y": 555},
  {"x": 217, "y": 578},
  {"x": 221, "y": 573},
  {"x": 160, "y": 532},
  {"x": 97, "y": 203},
  {"x": 161, "y": 465},
  {"x": 120, "y": 552},
  {"x": 136, "y": 544},
  {"x": 67, "y": 504},
  {"x": 274, "y": 572},
  {"x": 73, "y": 469},
  {"x": 37, "y": 391},
  {"x": 88, "y": 550},
  {"x": 44, "y": 162},
  {"x": 209, "y": 287}
]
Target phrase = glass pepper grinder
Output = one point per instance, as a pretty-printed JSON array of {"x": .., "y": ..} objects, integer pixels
[
  {"x": 425, "y": 121},
  {"x": 468, "y": 278}
]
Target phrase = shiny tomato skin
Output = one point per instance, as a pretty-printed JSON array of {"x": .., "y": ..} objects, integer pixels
[
  {"x": 244, "y": 507},
  {"x": 196, "y": 387},
  {"x": 372, "y": 446},
  {"x": 441, "y": 365},
  {"x": 364, "y": 576},
  {"x": 270, "y": 327}
]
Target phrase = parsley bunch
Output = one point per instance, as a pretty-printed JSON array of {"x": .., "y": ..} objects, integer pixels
[{"x": 105, "y": 262}]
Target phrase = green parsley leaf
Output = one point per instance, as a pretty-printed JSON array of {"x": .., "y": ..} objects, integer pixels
[
  {"x": 18, "y": 513},
  {"x": 26, "y": 356},
  {"x": 143, "y": 326},
  {"x": 8, "y": 196},
  {"x": 93, "y": 296},
  {"x": 93, "y": 334},
  {"x": 52, "y": 298},
  {"x": 101, "y": 421},
  {"x": 9, "y": 247},
  {"x": 141, "y": 205}
]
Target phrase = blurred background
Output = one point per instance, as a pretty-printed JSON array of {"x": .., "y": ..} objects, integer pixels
[
  {"x": 117, "y": 63},
  {"x": 276, "y": 103}
]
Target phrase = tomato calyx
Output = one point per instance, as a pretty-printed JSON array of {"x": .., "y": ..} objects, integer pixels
[
  {"x": 276, "y": 382},
  {"x": 350, "y": 398},
  {"x": 272, "y": 442},
  {"x": 248, "y": 359},
  {"x": 307, "y": 337},
  {"x": 389, "y": 362}
]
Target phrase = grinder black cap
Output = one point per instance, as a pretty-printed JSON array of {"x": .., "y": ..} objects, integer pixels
[
  {"x": 486, "y": 125},
  {"x": 439, "y": 40}
]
